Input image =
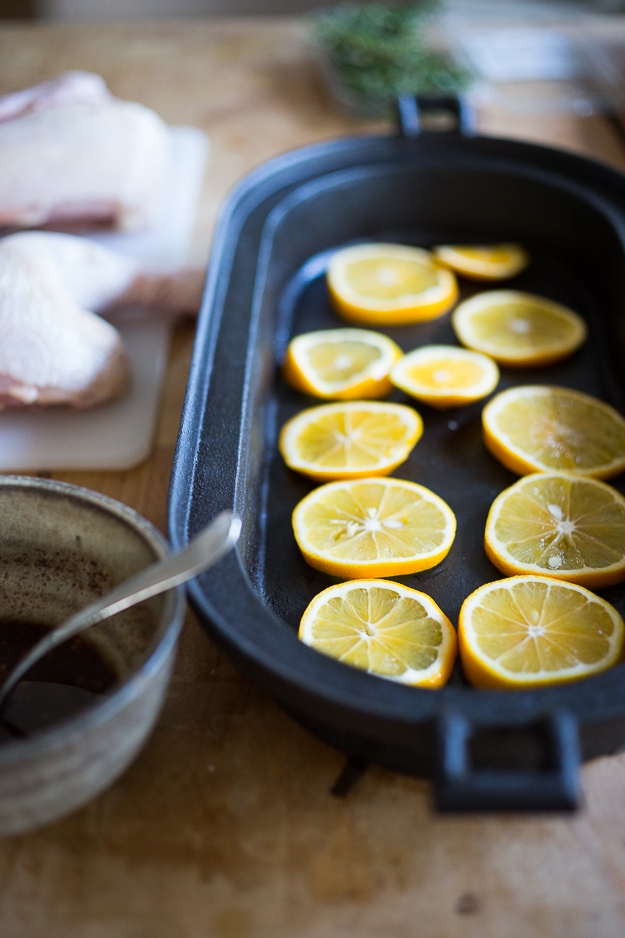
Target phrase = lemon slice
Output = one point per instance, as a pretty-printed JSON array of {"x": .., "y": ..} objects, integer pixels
[
  {"x": 536, "y": 428},
  {"x": 518, "y": 329},
  {"x": 483, "y": 261},
  {"x": 389, "y": 284},
  {"x": 384, "y": 628},
  {"x": 559, "y": 524},
  {"x": 349, "y": 440},
  {"x": 373, "y": 527},
  {"x": 341, "y": 363},
  {"x": 532, "y": 631},
  {"x": 445, "y": 376}
]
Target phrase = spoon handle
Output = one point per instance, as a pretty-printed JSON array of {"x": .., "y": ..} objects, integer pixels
[{"x": 205, "y": 550}]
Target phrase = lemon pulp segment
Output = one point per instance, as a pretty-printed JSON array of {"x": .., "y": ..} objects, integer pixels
[
  {"x": 518, "y": 329},
  {"x": 374, "y": 527},
  {"x": 383, "y": 280},
  {"x": 444, "y": 375},
  {"x": 559, "y": 524},
  {"x": 389, "y": 284},
  {"x": 534, "y": 428},
  {"x": 485, "y": 261},
  {"x": 341, "y": 363},
  {"x": 350, "y": 440},
  {"x": 530, "y": 631},
  {"x": 384, "y": 628}
]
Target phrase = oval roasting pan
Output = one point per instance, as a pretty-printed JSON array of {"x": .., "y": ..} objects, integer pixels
[{"x": 484, "y": 750}]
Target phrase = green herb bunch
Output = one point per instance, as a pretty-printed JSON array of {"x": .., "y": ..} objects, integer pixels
[{"x": 379, "y": 50}]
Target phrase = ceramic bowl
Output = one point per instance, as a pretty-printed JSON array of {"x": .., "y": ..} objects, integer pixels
[{"x": 61, "y": 546}]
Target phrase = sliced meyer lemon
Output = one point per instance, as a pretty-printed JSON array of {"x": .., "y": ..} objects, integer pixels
[
  {"x": 341, "y": 363},
  {"x": 483, "y": 261},
  {"x": 536, "y": 428},
  {"x": 373, "y": 527},
  {"x": 350, "y": 439},
  {"x": 518, "y": 329},
  {"x": 559, "y": 524},
  {"x": 384, "y": 628},
  {"x": 389, "y": 284},
  {"x": 531, "y": 631},
  {"x": 445, "y": 376}
]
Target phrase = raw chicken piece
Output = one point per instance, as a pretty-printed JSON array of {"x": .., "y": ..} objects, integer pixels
[
  {"x": 69, "y": 88},
  {"x": 70, "y": 152},
  {"x": 54, "y": 349},
  {"x": 51, "y": 350},
  {"x": 102, "y": 280}
]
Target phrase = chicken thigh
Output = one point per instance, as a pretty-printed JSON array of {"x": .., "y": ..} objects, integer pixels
[
  {"x": 54, "y": 347},
  {"x": 72, "y": 152}
]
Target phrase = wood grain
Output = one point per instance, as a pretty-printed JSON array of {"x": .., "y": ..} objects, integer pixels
[{"x": 225, "y": 826}]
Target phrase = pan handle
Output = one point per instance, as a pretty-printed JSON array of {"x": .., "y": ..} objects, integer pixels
[
  {"x": 550, "y": 783},
  {"x": 411, "y": 110}
]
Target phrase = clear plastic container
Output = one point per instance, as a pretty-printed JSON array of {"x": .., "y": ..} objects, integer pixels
[{"x": 539, "y": 57}]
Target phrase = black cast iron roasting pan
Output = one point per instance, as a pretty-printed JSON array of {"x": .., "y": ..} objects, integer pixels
[{"x": 484, "y": 750}]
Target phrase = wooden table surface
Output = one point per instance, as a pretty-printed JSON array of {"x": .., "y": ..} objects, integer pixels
[{"x": 225, "y": 825}]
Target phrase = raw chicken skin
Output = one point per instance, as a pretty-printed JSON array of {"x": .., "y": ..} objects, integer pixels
[
  {"x": 51, "y": 350},
  {"x": 69, "y": 88},
  {"x": 54, "y": 348},
  {"x": 71, "y": 152}
]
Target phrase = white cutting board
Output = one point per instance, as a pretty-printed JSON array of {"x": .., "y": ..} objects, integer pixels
[{"x": 119, "y": 435}]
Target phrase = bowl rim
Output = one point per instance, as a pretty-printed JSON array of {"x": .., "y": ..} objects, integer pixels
[{"x": 160, "y": 647}]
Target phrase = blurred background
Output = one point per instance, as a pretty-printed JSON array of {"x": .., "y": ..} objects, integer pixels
[
  {"x": 103, "y": 10},
  {"x": 491, "y": 51}
]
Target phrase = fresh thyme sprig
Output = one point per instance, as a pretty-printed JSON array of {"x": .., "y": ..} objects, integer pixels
[{"x": 379, "y": 50}]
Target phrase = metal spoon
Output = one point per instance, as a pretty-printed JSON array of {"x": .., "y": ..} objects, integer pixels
[{"x": 210, "y": 545}]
